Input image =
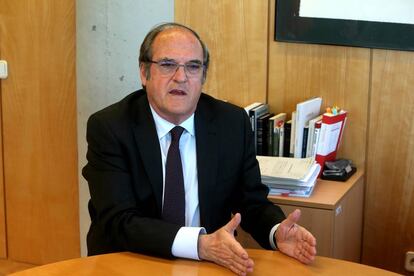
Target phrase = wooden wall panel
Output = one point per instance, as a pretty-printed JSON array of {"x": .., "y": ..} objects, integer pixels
[
  {"x": 39, "y": 129},
  {"x": 389, "y": 208},
  {"x": 340, "y": 75},
  {"x": 3, "y": 241},
  {"x": 236, "y": 34}
]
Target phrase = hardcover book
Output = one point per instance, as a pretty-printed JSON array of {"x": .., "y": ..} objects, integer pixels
[
  {"x": 276, "y": 127},
  {"x": 305, "y": 111}
]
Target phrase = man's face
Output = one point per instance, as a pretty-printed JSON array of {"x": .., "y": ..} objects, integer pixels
[{"x": 174, "y": 96}]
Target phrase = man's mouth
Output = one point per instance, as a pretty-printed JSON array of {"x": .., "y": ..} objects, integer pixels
[{"x": 178, "y": 92}]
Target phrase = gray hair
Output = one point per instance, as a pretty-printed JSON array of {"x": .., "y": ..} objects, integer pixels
[{"x": 145, "y": 53}]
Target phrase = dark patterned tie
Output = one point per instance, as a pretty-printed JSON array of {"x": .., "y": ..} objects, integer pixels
[{"x": 174, "y": 195}]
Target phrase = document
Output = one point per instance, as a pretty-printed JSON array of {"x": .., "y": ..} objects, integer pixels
[
  {"x": 301, "y": 188},
  {"x": 330, "y": 138},
  {"x": 285, "y": 167}
]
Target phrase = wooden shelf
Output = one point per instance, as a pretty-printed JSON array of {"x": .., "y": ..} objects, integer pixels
[{"x": 326, "y": 194}]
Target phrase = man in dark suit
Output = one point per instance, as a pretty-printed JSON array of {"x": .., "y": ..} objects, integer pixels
[{"x": 128, "y": 174}]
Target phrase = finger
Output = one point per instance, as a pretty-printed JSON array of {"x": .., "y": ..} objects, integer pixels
[
  {"x": 239, "y": 251},
  {"x": 233, "y": 223},
  {"x": 238, "y": 266},
  {"x": 306, "y": 258},
  {"x": 305, "y": 253},
  {"x": 307, "y": 240},
  {"x": 237, "y": 271},
  {"x": 234, "y": 245},
  {"x": 241, "y": 264},
  {"x": 309, "y": 257},
  {"x": 293, "y": 217},
  {"x": 238, "y": 257},
  {"x": 307, "y": 237}
]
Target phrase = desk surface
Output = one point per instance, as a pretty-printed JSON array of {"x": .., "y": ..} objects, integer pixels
[{"x": 266, "y": 263}]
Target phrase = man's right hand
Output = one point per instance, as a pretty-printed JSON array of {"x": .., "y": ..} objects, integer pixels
[{"x": 222, "y": 248}]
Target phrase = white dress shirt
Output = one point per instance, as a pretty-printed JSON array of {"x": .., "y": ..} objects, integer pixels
[{"x": 185, "y": 244}]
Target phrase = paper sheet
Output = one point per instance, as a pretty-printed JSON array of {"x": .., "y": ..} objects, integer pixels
[{"x": 293, "y": 168}]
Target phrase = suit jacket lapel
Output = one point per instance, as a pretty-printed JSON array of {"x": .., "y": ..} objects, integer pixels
[
  {"x": 148, "y": 145},
  {"x": 207, "y": 155}
]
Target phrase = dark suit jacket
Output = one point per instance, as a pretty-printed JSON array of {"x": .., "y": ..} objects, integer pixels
[{"x": 124, "y": 174}]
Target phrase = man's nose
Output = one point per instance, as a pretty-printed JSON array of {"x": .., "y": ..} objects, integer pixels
[{"x": 180, "y": 74}]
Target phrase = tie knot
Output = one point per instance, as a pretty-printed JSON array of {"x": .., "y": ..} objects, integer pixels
[{"x": 176, "y": 133}]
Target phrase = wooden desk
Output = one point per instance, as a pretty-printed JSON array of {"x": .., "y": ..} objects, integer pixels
[
  {"x": 266, "y": 263},
  {"x": 333, "y": 213}
]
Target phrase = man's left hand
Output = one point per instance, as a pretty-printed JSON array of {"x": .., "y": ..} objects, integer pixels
[{"x": 294, "y": 240}]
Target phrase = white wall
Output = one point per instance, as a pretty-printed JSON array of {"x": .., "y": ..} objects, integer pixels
[{"x": 109, "y": 34}]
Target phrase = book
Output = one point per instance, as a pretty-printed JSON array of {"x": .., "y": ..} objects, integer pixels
[
  {"x": 276, "y": 127},
  {"x": 249, "y": 112},
  {"x": 262, "y": 133},
  {"x": 315, "y": 140},
  {"x": 286, "y": 138},
  {"x": 332, "y": 127},
  {"x": 311, "y": 133},
  {"x": 281, "y": 138},
  {"x": 292, "y": 135},
  {"x": 305, "y": 141},
  {"x": 251, "y": 106},
  {"x": 305, "y": 111},
  {"x": 255, "y": 113},
  {"x": 270, "y": 140}
]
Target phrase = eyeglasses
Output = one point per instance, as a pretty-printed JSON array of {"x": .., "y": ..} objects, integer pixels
[{"x": 169, "y": 67}]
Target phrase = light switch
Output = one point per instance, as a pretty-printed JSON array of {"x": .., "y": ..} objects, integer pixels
[{"x": 3, "y": 69}]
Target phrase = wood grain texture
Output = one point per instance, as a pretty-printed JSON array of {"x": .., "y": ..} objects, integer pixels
[
  {"x": 3, "y": 237},
  {"x": 266, "y": 262},
  {"x": 39, "y": 129},
  {"x": 340, "y": 75},
  {"x": 7, "y": 267},
  {"x": 348, "y": 217},
  {"x": 389, "y": 208},
  {"x": 236, "y": 34}
]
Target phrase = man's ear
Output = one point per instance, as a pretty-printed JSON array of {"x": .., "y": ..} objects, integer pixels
[{"x": 143, "y": 74}]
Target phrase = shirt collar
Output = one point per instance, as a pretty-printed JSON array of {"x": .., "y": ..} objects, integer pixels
[{"x": 164, "y": 127}]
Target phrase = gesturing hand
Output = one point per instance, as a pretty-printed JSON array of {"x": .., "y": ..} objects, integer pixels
[
  {"x": 294, "y": 240},
  {"x": 222, "y": 248}
]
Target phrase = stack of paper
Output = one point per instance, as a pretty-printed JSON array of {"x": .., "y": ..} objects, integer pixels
[{"x": 289, "y": 176}]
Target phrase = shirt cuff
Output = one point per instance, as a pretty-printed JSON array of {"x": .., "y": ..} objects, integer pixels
[
  {"x": 185, "y": 243},
  {"x": 272, "y": 239}
]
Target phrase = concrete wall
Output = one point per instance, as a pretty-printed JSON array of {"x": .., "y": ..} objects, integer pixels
[{"x": 109, "y": 34}]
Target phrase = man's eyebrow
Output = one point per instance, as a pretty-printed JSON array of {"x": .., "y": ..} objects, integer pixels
[
  {"x": 195, "y": 61},
  {"x": 167, "y": 59},
  {"x": 173, "y": 60}
]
